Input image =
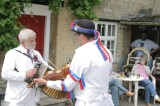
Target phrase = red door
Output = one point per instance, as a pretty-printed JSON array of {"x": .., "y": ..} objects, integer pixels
[{"x": 37, "y": 24}]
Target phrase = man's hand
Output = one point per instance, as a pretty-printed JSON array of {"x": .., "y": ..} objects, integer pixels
[
  {"x": 31, "y": 72},
  {"x": 40, "y": 81}
]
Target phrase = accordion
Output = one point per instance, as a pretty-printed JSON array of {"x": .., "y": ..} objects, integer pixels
[{"x": 41, "y": 73}]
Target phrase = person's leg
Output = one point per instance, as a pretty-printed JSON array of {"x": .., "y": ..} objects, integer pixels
[
  {"x": 120, "y": 87},
  {"x": 146, "y": 84},
  {"x": 115, "y": 96},
  {"x": 150, "y": 63},
  {"x": 152, "y": 89},
  {"x": 147, "y": 94}
]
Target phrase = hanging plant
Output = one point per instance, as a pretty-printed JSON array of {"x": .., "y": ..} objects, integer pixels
[
  {"x": 80, "y": 8},
  {"x": 83, "y": 8},
  {"x": 55, "y": 6},
  {"x": 10, "y": 10}
]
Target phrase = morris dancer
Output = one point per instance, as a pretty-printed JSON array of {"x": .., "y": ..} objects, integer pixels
[{"x": 89, "y": 72}]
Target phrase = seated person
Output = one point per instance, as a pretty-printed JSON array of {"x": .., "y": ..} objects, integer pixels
[
  {"x": 151, "y": 46},
  {"x": 117, "y": 89},
  {"x": 143, "y": 70}
]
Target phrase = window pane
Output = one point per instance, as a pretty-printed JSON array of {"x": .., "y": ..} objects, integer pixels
[
  {"x": 108, "y": 44},
  {"x": 103, "y": 42},
  {"x": 113, "y": 30},
  {"x": 112, "y": 44},
  {"x": 99, "y": 27},
  {"x": 112, "y": 51},
  {"x": 103, "y": 30},
  {"x": 109, "y": 30}
]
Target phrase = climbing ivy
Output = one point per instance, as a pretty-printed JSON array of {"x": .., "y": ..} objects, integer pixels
[
  {"x": 80, "y": 8},
  {"x": 10, "y": 10}
]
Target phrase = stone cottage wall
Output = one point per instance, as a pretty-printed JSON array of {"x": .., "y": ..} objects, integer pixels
[
  {"x": 109, "y": 9},
  {"x": 65, "y": 43},
  {"x": 118, "y": 10}
]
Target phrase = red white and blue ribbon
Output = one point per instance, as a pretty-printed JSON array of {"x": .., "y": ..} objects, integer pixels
[
  {"x": 70, "y": 94},
  {"x": 101, "y": 48},
  {"x": 78, "y": 79}
]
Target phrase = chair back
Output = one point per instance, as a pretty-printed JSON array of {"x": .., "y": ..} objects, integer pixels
[
  {"x": 132, "y": 58},
  {"x": 156, "y": 66}
]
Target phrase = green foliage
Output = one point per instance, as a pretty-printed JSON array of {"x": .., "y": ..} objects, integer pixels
[
  {"x": 80, "y": 8},
  {"x": 10, "y": 10},
  {"x": 83, "y": 8},
  {"x": 54, "y": 5}
]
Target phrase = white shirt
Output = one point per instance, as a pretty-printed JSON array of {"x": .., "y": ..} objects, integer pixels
[
  {"x": 17, "y": 90},
  {"x": 89, "y": 63},
  {"x": 148, "y": 44}
]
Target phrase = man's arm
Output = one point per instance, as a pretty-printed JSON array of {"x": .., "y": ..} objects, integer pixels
[
  {"x": 8, "y": 68},
  {"x": 154, "y": 50}
]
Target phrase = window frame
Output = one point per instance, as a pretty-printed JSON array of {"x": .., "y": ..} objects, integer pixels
[{"x": 107, "y": 38}]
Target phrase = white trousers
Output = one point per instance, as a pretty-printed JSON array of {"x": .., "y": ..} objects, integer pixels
[
  {"x": 23, "y": 104},
  {"x": 107, "y": 101}
]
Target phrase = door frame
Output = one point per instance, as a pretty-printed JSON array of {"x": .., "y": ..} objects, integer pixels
[{"x": 42, "y": 10}]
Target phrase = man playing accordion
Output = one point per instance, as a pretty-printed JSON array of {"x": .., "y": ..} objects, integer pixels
[{"x": 18, "y": 66}]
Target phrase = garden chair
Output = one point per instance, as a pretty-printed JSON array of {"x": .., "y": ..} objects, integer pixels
[
  {"x": 156, "y": 71},
  {"x": 131, "y": 61}
]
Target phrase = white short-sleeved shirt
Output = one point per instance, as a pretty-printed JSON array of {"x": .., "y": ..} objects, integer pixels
[{"x": 148, "y": 44}]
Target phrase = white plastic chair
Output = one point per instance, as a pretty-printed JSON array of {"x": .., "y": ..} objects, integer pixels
[{"x": 132, "y": 58}]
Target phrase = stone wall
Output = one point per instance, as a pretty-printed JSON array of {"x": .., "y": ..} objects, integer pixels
[
  {"x": 2, "y": 82},
  {"x": 109, "y": 9},
  {"x": 123, "y": 44},
  {"x": 65, "y": 42},
  {"x": 117, "y": 9}
]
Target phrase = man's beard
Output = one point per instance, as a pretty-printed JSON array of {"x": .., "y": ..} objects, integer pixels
[{"x": 30, "y": 47}]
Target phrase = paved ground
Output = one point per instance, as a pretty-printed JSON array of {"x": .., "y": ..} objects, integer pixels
[
  {"x": 52, "y": 102},
  {"x": 47, "y": 101}
]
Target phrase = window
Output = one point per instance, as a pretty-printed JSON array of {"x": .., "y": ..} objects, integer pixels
[{"x": 108, "y": 31}]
